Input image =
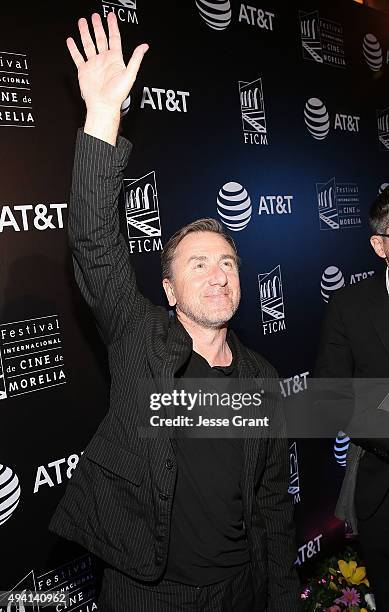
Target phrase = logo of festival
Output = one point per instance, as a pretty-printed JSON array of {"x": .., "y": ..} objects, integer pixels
[
  {"x": 272, "y": 301},
  {"x": 338, "y": 205},
  {"x": 322, "y": 40}
]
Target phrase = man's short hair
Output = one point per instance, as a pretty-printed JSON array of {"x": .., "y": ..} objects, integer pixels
[
  {"x": 379, "y": 213},
  {"x": 200, "y": 225}
]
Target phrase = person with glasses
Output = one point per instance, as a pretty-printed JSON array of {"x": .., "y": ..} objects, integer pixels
[{"x": 355, "y": 345}]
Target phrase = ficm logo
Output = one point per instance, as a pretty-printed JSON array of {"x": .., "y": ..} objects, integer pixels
[
  {"x": 342, "y": 442},
  {"x": 9, "y": 493},
  {"x": 216, "y": 13},
  {"x": 234, "y": 206},
  {"x": 316, "y": 118},
  {"x": 372, "y": 52},
  {"x": 332, "y": 278},
  {"x": 130, "y": 4}
]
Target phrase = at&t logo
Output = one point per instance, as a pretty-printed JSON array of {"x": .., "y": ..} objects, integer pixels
[
  {"x": 342, "y": 442},
  {"x": 317, "y": 120},
  {"x": 332, "y": 279},
  {"x": 216, "y": 13},
  {"x": 373, "y": 53},
  {"x": 234, "y": 206},
  {"x": 308, "y": 550},
  {"x": 9, "y": 493},
  {"x": 272, "y": 301}
]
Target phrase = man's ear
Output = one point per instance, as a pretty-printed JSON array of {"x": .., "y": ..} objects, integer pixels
[
  {"x": 169, "y": 290},
  {"x": 377, "y": 244}
]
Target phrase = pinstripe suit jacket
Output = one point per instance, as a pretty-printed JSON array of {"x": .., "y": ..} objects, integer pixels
[{"x": 119, "y": 499}]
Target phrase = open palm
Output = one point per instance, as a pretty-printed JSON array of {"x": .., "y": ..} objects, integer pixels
[{"x": 104, "y": 79}]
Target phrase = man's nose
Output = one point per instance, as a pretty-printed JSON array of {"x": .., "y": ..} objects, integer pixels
[{"x": 217, "y": 276}]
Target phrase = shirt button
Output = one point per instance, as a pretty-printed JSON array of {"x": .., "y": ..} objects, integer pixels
[
  {"x": 169, "y": 464},
  {"x": 163, "y": 496}
]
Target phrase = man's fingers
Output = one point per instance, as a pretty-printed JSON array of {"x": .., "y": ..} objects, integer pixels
[
  {"x": 87, "y": 42},
  {"x": 101, "y": 39},
  {"x": 115, "y": 42},
  {"x": 74, "y": 52},
  {"x": 135, "y": 61}
]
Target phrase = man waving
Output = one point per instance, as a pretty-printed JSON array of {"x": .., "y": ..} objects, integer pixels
[{"x": 183, "y": 523}]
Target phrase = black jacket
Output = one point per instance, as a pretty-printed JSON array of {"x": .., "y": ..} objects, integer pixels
[
  {"x": 355, "y": 345},
  {"x": 119, "y": 499}
]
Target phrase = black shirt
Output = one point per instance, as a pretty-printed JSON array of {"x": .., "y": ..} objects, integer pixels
[{"x": 207, "y": 539}]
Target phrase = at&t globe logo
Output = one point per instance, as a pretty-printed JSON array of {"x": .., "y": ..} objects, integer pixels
[
  {"x": 9, "y": 493},
  {"x": 316, "y": 118},
  {"x": 234, "y": 206},
  {"x": 342, "y": 442},
  {"x": 216, "y": 13},
  {"x": 372, "y": 52},
  {"x": 332, "y": 279}
]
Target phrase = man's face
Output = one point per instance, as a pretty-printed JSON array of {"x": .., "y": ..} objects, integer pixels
[
  {"x": 205, "y": 280},
  {"x": 381, "y": 245}
]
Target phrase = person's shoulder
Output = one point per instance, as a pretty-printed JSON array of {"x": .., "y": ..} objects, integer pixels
[
  {"x": 266, "y": 368},
  {"x": 357, "y": 291}
]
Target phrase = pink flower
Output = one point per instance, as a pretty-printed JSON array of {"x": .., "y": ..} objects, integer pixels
[{"x": 350, "y": 597}]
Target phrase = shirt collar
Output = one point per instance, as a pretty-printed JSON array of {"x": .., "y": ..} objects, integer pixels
[{"x": 387, "y": 279}]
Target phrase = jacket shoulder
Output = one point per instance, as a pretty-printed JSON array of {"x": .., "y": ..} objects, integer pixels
[
  {"x": 266, "y": 368},
  {"x": 356, "y": 292}
]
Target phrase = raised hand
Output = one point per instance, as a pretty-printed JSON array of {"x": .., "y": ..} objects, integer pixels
[{"x": 104, "y": 79}]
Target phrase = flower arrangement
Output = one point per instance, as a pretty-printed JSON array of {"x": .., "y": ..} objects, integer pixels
[{"x": 340, "y": 586}]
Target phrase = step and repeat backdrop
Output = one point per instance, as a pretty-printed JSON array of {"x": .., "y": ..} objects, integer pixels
[{"x": 271, "y": 117}]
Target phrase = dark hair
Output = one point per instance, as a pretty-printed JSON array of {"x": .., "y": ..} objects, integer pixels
[
  {"x": 200, "y": 225},
  {"x": 379, "y": 213}
]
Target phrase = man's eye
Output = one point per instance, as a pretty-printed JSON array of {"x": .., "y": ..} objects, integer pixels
[
  {"x": 229, "y": 264},
  {"x": 199, "y": 265}
]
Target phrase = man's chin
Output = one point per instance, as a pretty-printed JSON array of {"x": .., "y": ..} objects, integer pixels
[
  {"x": 209, "y": 319},
  {"x": 216, "y": 321}
]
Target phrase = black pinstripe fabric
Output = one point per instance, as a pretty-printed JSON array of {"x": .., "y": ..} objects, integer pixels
[
  {"x": 119, "y": 592},
  {"x": 119, "y": 499}
]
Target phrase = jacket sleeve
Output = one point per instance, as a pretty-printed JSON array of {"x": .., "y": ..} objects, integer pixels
[
  {"x": 335, "y": 361},
  {"x": 100, "y": 254},
  {"x": 275, "y": 512}
]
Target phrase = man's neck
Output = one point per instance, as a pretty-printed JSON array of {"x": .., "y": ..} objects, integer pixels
[{"x": 209, "y": 343}]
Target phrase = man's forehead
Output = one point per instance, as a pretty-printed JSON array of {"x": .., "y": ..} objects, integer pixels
[{"x": 203, "y": 243}]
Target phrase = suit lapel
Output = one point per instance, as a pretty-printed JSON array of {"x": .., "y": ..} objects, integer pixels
[{"x": 379, "y": 307}]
